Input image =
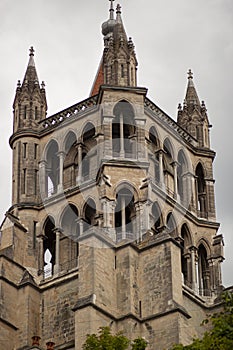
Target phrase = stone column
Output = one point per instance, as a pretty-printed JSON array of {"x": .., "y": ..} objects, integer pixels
[
  {"x": 61, "y": 156},
  {"x": 123, "y": 219},
  {"x": 57, "y": 251},
  {"x": 80, "y": 223},
  {"x": 188, "y": 188},
  {"x": 194, "y": 193},
  {"x": 79, "y": 177},
  {"x": 112, "y": 229},
  {"x": 161, "y": 176},
  {"x": 139, "y": 221},
  {"x": 146, "y": 216},
  {"x": 105, "y": 213},
  {"x": 41, "y": 238},
  {"x": 108, "y": 213},
  {"x": 122, "y": 148},
  {"x": 193, "y": 268},
  {"x": 175, "y": 165},
  {"x": 42, "y": 179}
]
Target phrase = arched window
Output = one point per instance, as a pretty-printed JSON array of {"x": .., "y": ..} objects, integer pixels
[
  {"x": 201, "y": 191},
  {"x": 185, "y": 256},
  {"x": 85, "y": 166},
  {"x": 156, "y": 218},
  {"x": 69, "y": 246},
  {"x": 89, "y": 143},
  {"x": 203, "y": 271},
  {"x": 89, "y": 214},
  {"x": 49, "y": 247},
  {"x": 168, "y": 167},
  {"x": 182, "y": 169},
  {"x": 89, "y": 135},
  {"x": 123, "y": 131},
  {"x": 124, "y": 214},
  {"x": 153, "y": 147},
  {"x": 153, "y": 138},
  {"x": 69, "y": 167},
  {"x": 171, "y": 225},
  {"x": 52, "y": 169}
]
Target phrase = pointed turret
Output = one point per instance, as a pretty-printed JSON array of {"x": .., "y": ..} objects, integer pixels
[
  {"x": 118, "y": 65},
  {"x": 30, "y": 103},
  {"x": 31, "y": 78},
  {"x": 30, "y": 108},
  {"x": 191, "y": 94},
  {"x": 193, "y": 115}
]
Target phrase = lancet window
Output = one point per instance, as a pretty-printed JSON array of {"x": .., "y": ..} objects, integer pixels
[
  {"x": 201, "y": 191},
  {"x": 123, "y": 131},
  {"x": 69, "y": 245},
  {"x": 52, "y": 168},
  {"x": 153, "y": 148},
  {"x": 49, "y": 247},
  {"x": 156, "y": 218},
  {"x": 125, "y": 213},
  {"x": 203, "y": 272}
]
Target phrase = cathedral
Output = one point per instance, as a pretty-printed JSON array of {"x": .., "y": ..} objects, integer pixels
[{"x": 113, "y": 220}]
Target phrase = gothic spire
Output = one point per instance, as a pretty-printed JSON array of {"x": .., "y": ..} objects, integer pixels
[
  {"x": 118, "y": 65},
  {"x": 30, "y": 105},
  {"x": 31, "y": 77},
  {"x": 193, "y": 115},
  {"x": 191, "y": 97}
]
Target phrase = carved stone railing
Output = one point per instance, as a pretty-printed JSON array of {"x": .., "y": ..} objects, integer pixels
[
  {"x": 164, "y": 117},
  {"x": 58, "y": 118}
]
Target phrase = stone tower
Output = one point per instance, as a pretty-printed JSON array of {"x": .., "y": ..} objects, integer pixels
[{"x": 113, "y": 219}]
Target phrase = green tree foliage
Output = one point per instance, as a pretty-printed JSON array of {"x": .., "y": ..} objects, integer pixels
[
  {"x": 105, "y": 340},
  {"x": 220, "y": 337}
]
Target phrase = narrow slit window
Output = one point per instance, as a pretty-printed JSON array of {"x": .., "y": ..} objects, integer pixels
[
  {"x": 25, "y": 112},
  {"x": 24, "y": 181},
  {"x": 35, "y": 150},
  {"x": 34, "y": 235},
  {"x": 122, "y": 71},
  {"x": 36, "y": 113},
  {"x": 25, "y": 150},
  {"x": 35, "y": 182}
]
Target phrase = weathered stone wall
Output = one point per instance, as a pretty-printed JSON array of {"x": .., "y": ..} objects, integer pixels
[{"x": 56, "y": 315}]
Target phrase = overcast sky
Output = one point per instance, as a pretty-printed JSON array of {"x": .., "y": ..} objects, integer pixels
[{"x": 170, "y": 37}]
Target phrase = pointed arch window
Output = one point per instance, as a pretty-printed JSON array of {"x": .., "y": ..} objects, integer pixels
[
  {"x": 123, "y": 131},
  {"x": 181, "y": 172},
  {"x": 203, "y": 272},
  {"x": 171, "y": 225},
  {"x": 69, "y": 246},
  {"x": 49, "y": 247},
  {"x": 125, "y": 213},
  {"x": 52, "y": 169},
  {"x": 156, "y": 218},
  {"x": 88, "y": 151},
  {"x": 168, "y": 163},
  {"x": 185, "y": 256},
  {"x": 201, "y": 192},
  {"x": 89, "y": 215},
  {"x": 85, "y": 166},
  {"x": 153, "y": 148},
  {"x": 69, "y": 165}
]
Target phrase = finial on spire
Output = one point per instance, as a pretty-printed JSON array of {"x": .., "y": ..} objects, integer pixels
[
  {"x": 118, "y": 8},
  {"x": 190, "y": 74},
  {"x": 111, "y": 10},
  {"x": 31, "y": 51}
]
